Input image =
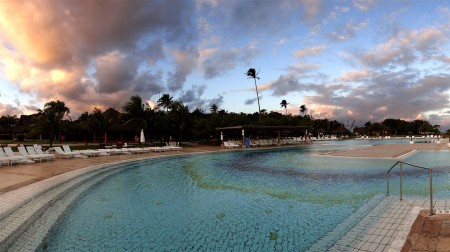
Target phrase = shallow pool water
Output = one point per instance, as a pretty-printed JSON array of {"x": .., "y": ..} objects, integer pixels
[{"x": 283, "y": 199}]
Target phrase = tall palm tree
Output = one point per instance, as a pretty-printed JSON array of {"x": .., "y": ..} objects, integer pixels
[
  {"x": 251, "y": 73},
  {"x": 50, "y": 118},
  {"x": 284, "y": 104},
  {"x": 165, "y": 101}
]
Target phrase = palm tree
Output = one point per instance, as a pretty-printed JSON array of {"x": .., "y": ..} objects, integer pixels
[
  {"x": 98, "y": 123},
  {"x": 50, "y": 119},
  {"x": 8, "y": 122},
  {"x": 303, "y": 109},
  {"x": 214, "y": 108},
  {"x": 136, "y": 112},
  {"x": 284, "y": 104},
  {"x": 165, "y": 101},
  {"x": 251, "y": 73}
]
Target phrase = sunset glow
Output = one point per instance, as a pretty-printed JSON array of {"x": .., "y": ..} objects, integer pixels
[{"x": 345, "y": 60}]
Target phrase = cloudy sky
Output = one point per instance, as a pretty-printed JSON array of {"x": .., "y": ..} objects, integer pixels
[{"x": 346, "y": 60}]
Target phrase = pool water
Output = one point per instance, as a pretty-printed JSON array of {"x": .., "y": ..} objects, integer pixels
[{"x": 260, "y": 200}]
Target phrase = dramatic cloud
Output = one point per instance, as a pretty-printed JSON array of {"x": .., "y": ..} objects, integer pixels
[
  {"x": 404, "y": 48},
  {"x": 346, "y": 60},
  {"x": 60, "y": 45}
]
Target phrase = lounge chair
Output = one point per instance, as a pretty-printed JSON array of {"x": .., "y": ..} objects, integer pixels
[
  {"x": 13, "y": 159},
  {"x": 10, "y": 153},
  {"x": 63, "y": 154},
  {"x": 44, "y": 156},
  {"x": 230, "y": 145},
  {"x": 136, "y": 150},
  {"x": 4, "y": 159},
  {"x": 23, "y": 151},
  {"x": 173, "y": 146},
  {"x": 157, "y": 149},
  {"x": 90, "y": 153},
  {"x": 39, "y": 151}
]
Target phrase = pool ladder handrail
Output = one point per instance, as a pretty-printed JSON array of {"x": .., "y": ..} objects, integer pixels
[{"x": 430, "y": 171}]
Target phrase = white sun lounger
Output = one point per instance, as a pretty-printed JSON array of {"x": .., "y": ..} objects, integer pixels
[
  {"x": 32, "y": 151},
  {"x": 63, "y": 154},
  {"x": 90, "y": 153},
  {"x": 157, "y": 149},
  {"x": 10, "y": 154},
  {"x": 38, "y": 151},
  {"x": 23, "y": 151},
  {"x": 4, "y": 159}
]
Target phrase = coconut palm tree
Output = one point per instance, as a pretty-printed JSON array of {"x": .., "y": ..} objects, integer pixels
[
  {"x": 136, "y": 113},
  {"x": 50, "y": 118},
  {"x": 8, "y": 122},
  {"x": 98, "y": 123},
  {"x": 165, "y": 101},
  {"x": 284, "y": 104},
  {"x": 251, "y": 73}
]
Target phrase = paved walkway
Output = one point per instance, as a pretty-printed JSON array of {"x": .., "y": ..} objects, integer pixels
[
  {"x": 387, "y": 230},
  {"x": 429, "y": 233},
  {"x": 389, "y": 150},
  {"x": 424, "y": 232}
]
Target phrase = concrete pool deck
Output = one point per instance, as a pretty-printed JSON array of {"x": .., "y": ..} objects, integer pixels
[
  {"x": 387, "y": 231},
  {"x": 389, "y": 150}
]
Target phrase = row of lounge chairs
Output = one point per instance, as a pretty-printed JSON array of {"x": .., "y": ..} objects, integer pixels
[
  {"x": 7, "y": 156},
  {"x": 27, "y": 155},
  {"x": 31, "y": 154},
  {"x": 230, "y": 144},
  {"x": 66, "y": 152}
]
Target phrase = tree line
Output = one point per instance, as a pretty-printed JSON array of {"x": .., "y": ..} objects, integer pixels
[{"x": 172, "y": 120}]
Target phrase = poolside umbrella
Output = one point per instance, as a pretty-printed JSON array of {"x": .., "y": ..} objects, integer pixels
[{"x": 142, "y": 139}]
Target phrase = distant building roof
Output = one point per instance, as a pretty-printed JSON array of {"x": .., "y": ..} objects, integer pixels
[{"x": 268, "y": 128}]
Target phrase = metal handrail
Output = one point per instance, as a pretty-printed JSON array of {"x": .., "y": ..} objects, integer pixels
[{"x": 430, "y": 171}]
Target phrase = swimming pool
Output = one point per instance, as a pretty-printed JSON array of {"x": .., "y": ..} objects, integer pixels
[{"x": 281, "y": 199}]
